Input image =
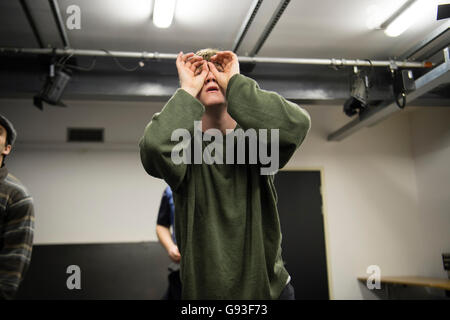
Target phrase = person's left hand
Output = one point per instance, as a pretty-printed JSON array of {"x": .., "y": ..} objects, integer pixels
[{"x": 228, "y": 62}]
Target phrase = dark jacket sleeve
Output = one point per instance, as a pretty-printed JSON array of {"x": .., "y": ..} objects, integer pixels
[
  {"x": 15, "y": 255},
  {"x": 164, "y": 212}
]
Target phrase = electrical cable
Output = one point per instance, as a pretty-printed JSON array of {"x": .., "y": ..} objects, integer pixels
[
  {"x": 90, "y": 68},
  {"x": 398, "y": 92},
  {"x": 119, "y": 64},
  {"x": 403, "y": 104}
]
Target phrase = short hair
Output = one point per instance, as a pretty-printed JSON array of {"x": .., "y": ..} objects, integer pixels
[
  {"x": 11, "y": 133},
  {"x": 207, "y": 53}
]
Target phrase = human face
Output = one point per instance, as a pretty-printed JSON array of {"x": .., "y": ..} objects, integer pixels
[
  {"x": 211, "y": 93},
  {"x": 4, "y": 149}
]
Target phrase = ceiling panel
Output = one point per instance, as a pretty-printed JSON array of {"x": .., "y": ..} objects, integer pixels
[
  {"x": 127, "y": 25},
  {"x": 45, "y": 23},
  {"x": 15, "y": 30},
  {"x": 307, "y": 29},
  {"x": 338, "y": 29}
]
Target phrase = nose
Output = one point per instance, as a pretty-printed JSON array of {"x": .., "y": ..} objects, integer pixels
[{"x": 210, "y": 77}]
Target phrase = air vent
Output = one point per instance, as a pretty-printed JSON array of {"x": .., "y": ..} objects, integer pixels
[{"x": 85, "y": 134}]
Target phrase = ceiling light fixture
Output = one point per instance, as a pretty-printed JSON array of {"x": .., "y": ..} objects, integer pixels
[
  {"x": 163, "y": 13},
  {"x": 405, "y": 16}
]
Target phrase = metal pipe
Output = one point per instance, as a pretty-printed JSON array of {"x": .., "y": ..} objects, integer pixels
[
  {"x": 59, "y": 23},
  {"x": 246, "y": 25},
  {"x": 173, "y": 56}
]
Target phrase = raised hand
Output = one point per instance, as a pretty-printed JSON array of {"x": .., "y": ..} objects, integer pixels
[
  {"x": 190, "y": 80},
  {"x": 227, "y": 66}
]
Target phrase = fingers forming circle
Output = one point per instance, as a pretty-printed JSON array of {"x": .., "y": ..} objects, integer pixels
[{"x": 187, "y": 56}]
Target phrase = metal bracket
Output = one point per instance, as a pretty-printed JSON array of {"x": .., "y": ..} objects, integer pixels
[
  {"x": 393, "y": 66},
  {"x": 446, "y": 52}
]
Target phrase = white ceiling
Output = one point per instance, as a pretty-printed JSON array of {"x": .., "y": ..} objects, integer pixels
[
  {"x": 308, "y": 29},
  {"x": 336, "y": 29}
]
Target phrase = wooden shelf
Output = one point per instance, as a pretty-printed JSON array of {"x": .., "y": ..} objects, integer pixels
[{"x": 414, "y": 281}]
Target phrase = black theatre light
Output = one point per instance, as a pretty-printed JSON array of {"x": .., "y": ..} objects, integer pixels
[
  {"x": 53, "y": 89},
  {"x": 358, "y": 94}
]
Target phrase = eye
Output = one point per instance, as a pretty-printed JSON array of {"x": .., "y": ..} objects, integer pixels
[{"x": 218, "y": 66}]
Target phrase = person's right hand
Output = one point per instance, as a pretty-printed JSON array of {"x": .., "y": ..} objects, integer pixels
[
  {"x": 174, "y": 254},
  {"x": 190, "y": 80}
]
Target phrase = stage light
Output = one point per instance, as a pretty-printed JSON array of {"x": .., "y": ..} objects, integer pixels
[
  {"x": 358, "y": 95},
  {"x": 53, "y": 89}
]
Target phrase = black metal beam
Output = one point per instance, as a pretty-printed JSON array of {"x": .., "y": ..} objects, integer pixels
[
  {"x": 59, "y": 23},
  {"x": 247, "y": 23},
  {"x": 269, "y": 27},
  {"x": 24, "y": 76},
  {"x": 159, "y": 82}
]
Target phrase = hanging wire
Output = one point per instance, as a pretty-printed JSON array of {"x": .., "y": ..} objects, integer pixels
[
  {"x": 370, "y": 73},
  {"x": 90, "y": 68},
  {"x": 63, "y": 63},
  {"x": 398, "y": 94},
  {"x": 119, "y": 64}
]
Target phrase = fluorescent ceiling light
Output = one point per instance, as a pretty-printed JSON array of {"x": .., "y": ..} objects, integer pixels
[
  {"x": 163, "y": 13},
  {"x": 405, "y": 19}
]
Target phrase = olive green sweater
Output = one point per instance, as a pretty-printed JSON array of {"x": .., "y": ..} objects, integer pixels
[{"x": 226, "y": 219}]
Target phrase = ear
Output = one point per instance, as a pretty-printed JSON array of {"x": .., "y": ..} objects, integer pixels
[{"x": 7, "y": 150}]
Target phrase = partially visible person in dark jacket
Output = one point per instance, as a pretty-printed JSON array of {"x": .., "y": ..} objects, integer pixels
[
  {"x": 16, "y": 220},
  {"x": 166, "y": 220}
]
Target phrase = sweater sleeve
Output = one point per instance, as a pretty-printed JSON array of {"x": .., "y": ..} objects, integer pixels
[
  {"x": 255, "y": 108},
  {"x": 17, "y": 239},
  {"x": 156, "y": 145}
]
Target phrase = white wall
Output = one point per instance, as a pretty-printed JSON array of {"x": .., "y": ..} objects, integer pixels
[
  {"x": 370, "y": 198},
  {"x": 430, "y": 129},
  {"x": 370, "y": 186},
  {"x": 86, "y": 193}
]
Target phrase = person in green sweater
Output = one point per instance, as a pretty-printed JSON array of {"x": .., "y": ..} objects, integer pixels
[{"x": 227, "y": 224}]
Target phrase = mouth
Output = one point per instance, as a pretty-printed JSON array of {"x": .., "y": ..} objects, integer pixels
[{"x": 212, "y": 89}]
